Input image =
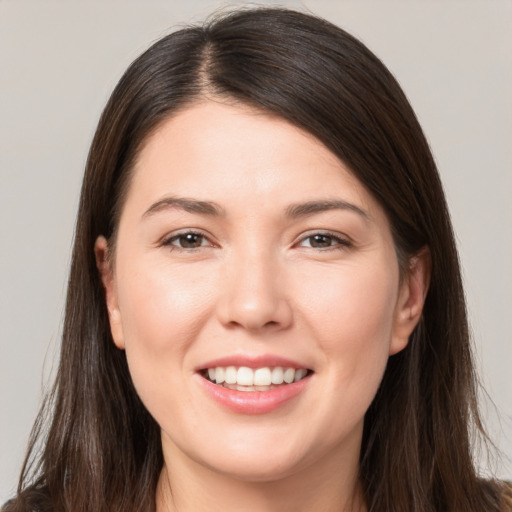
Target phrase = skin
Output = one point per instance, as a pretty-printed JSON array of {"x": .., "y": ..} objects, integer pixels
[{"x": 256, "y": 284}]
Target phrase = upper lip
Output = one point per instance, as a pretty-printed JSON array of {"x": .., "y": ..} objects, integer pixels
[{"x": 253, "y": 362}]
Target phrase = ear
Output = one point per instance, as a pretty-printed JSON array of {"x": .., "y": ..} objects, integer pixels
[
  {"x": 411, "y": 298},
  {"x": 104, "y": 264}
]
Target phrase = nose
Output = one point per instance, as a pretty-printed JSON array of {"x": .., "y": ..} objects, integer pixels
[{"x": 253, "y": 295}]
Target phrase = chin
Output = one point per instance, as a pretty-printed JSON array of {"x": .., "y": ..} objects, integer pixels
[
  {"x": 258, "y": 471},
  {"x": 256, "y": 462}
]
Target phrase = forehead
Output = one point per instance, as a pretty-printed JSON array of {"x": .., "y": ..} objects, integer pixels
[{"x": 237, "y": 154}]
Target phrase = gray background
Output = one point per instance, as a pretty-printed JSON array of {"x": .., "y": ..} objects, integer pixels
[{"x": 60, "y": 59}]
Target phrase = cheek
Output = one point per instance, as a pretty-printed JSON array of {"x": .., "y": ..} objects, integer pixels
[
  {"x": 348, "y": 301},
  {"x": 162, "y": 304},
  {"x": 352, "y": 315},
  {"x": 162, "y": 312}
]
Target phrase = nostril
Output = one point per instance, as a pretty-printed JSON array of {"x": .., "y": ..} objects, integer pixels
[{"x": 252, "y": 324}]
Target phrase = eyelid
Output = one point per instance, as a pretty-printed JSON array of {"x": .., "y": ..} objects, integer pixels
[
  {"x": 167, "y": 240},
  {"x": 343, "y": 241}
]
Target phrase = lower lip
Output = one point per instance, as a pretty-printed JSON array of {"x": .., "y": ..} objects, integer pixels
[{"x": 254, "y": 402}]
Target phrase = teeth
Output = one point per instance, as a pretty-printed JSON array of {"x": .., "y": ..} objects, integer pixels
[
  {"x": 262, "y": 377},
  {"x": 229, "y": 375},
  {"x": 244, "y": 376},
  {"x": 299, "y": 374},
  {"x": 237, "y": 387},
  {"x": 277, "y": 375},
  {"x": 259, "y": 379},
  {"x": 219, "y": 376},
  {"x": 289, "y": 375}
]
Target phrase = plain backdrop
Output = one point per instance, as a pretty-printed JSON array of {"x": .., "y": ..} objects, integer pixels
[{"x": 59, "y": 60}]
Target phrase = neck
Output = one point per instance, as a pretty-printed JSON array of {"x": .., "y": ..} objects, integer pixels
[{"x": 329, "y": 486}]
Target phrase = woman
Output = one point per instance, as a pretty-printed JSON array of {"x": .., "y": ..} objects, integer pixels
[{"x": 265, "y": 308}]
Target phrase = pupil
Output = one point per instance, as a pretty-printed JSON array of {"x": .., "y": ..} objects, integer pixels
[
  {"x": 190, "y": 240},
  {"x": 321, "y": 241}
]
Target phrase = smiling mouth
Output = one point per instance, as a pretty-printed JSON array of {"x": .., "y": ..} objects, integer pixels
[{"x": 243, "y": 378}]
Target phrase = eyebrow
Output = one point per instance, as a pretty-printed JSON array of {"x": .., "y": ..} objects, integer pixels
[
  {"x": 313, "y": 207},
  {"x": 186, "y": 204},
  {"x": 213, "y": 209}
]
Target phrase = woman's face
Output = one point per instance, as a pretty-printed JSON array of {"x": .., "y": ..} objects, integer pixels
[{"x": 247, "y": 253}]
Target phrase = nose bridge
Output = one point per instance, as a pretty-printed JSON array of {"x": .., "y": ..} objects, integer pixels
[{"x": 253, "y": 295}]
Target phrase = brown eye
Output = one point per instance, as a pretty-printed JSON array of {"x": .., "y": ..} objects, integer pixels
[
  {"x": 324, "y": 241},
  {"x": 320, "y": 241},
  {"x": 191, "y": 240},
  {"x": 187, "y": 241}
]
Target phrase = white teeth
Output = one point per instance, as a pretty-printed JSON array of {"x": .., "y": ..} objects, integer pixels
[
  {"x": 245, "y": 376},
  {"x": 219, "y": 374},
  {"x": 259, "y": 379},
  {"x": 230, "y": 375},
  {"x": 289, "y": 375},
  {"x": 277, "y": 375},
  {"x": 262, "y": 377}
]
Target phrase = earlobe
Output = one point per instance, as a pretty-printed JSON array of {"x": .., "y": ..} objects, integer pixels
[
  {"x": 411, "y": 299},
  {"x": 104, "y": 264}
]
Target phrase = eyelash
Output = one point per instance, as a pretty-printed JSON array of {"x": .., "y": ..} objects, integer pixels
[
  {"x": 339, "y": 242},
  {"x": 168, "y": 242}
]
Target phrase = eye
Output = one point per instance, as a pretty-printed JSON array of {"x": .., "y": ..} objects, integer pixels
[
  {"x": 188, "y": 240},
  {"x": 324, "y": 241}
]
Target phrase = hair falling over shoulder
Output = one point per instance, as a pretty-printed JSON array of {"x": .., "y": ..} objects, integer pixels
[{"x": 94, "y": 445}]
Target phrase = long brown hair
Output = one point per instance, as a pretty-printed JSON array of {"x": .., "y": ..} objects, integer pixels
[{"x": 102, "y": 448}]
